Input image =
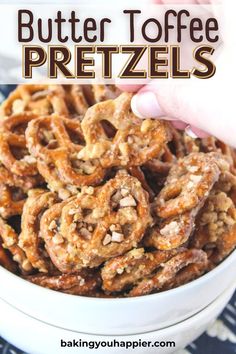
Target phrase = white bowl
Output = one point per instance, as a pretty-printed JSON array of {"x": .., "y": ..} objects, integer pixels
[
  {"x": 36, "y": 337},
  {"x": 117, "y": 316}
]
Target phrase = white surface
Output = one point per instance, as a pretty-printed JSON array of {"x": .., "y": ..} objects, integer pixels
[
  {"x": 36, "y": 337},
  {"x": 117, "y": 316}
]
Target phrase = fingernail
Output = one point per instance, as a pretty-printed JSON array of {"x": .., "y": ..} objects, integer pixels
[
  {"x": 190, "y": 133},
  {"x": 145, "y": 105},
  {"x": 178, "y": 124}
]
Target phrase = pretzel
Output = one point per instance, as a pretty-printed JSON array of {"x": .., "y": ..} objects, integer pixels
[
  {"x": 12, "y": 200},
  {"x": 105, "y": 92},
  {"x": 37, "y": 99},
  {"x": 83, "y": 283},
  {"x": 120, "y": 273},
  {"x": 6, "y": 261},
  {"x": 187, "y": 187},
  {"x": 13, "y": 152},
  {"x": 211, "y": 144},
  {"x": 55, "y": 142},
  {"x": 38, "y": 201},
  {"x": 134, "y": 142},
  {"x": 187, "y": 274},
  {"x": 76, "y": 101},
  {"x": 168, "y": 271},
  {"x": 25, "y": 183},
  {"x": 216, "y": 227},
  {"x": 188, "y": 182},
  {"x": 10, "y": 242},
  {"x": 96, "y": 225},
  {"x": 137, "y": 172},
  {"x": 172, "y": 151}
]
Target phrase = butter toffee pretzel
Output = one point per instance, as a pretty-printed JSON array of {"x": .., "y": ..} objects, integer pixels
[{"x": 96, "y": 202}]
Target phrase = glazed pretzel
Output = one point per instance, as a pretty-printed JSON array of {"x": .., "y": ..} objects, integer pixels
[
  {"x": 172, "y": 151},
  {"x": 134, "y": 142},
  {"x": 211, "y": 144},
  {"x": 10, "y": 242},
  {"x": 55, "y": 142},
  {"x": 25, "y": 183},
  {"x": 187, "y": 187},
  {"x": 79, "y": 98},
  {"x": 168, "y": 271},
  {"x": 138, "y": 173},
  {"x": 6, "y": 261},
  {"x": 83, "y": 283},
  {"x": 13, "y": 152},
  {"x": 187, "y": 274},
  {"x": 38, "y": 201},
  {"x": 105, "y": 92},
  {"x": 37, "y": 99},
  {"x": 11, "y": 201},
  {"x": 120, "y": 273},
  {"x": 188, "y": 182},
  {"x": 216, "y": 227},
  {"x": 97, "y": 224},
  {"x": 76, "y": 101}
]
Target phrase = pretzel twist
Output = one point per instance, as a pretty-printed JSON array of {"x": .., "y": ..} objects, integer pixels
[
  {"x": 6, "y": 261},
  {"x": 172, "y": 151},
  {"x": 121, "y": 273},
  {"x": 11, "y": 201},
  {"x": 38, "y": 201},
  {"x": 91, "y": 228},
  {"x": 169, "y": 270},
  {"x": 187, "y": 187},
  {"x": 13, "y": 152},
  {"x": 10, "y": 242},
  {"x": 36, "y": 99},
  {"x": 84, "y": 283},
  {"x": 55, "y": 142},
  {"x": 216, "y": 225},
  {"x": 134, "y": 142}
]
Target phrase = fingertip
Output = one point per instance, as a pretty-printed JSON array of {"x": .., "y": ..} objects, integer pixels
[{"x": 145, "y": 105}]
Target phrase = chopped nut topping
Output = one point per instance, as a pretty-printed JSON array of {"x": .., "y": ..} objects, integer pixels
[
  {"x": 98, "y": 213},
  {"x": 26, "y": 265},
  {"x": 63, "y": 194},
  {"x": 120, "y": 271},
  {"x": 58, "y": 239},
  {"x": 124, "y": 149},
  {"x": 124, "y": 192},
  {"x": 53, "y": 225},
  {"x": 170, "y": 229},
  {"x": 192, "y": 169},
  {"x": 195, "y": 178},
  {"x": 88, "y": 168},
  {"x": 18, "y": 106},
  {"x": 113, "y": 227},
  {"x": 146, "y": 125},
  {"x": 17, "y": 258},
  {"x": 117, "y": 237},
  {"x": 29, "y": 159},
  {"x": 106, "y": 240},
  {"x": 128, "y": 202},
  {"x": 87, "y": 190},
  {"x": 85, "y": 233}
]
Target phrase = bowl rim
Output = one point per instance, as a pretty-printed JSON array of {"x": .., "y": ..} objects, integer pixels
[
  {"x": 137, "y": 299},
  {"x": 215, "y": 304}
]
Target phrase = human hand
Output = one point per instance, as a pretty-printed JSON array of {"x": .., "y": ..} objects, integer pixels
[{"x": 201, "y": 107}]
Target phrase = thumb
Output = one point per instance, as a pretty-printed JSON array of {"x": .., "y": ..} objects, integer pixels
[{"x": 206, "y": 105}]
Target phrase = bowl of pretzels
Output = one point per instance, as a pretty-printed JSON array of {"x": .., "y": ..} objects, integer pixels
[{"x": 110, "y": 224}]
